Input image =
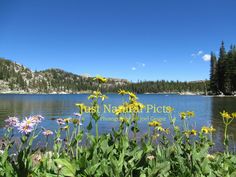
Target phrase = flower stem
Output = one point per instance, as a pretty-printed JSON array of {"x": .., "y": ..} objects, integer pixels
[
  {"x": 96, "y": 124},
  {"x": 226, "y": 137}
]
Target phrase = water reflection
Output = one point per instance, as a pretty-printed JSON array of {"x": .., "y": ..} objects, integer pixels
[{"x": 218, "y": 105}]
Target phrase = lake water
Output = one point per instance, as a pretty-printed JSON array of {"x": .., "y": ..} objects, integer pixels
[{"x": 55, "y": 106}]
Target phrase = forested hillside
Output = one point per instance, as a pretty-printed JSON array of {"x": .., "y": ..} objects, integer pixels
[{"x": 16, "y": 78}]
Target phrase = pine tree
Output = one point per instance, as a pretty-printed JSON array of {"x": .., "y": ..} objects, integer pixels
[
  {"x": 213, "y": 74},
  {"x": 221, "y": 68},
  {"x": 228, "y": 72},
  {"x": 233, "y": 78}
]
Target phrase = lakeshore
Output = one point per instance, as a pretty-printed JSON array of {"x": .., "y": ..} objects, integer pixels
[{"x": 89, "y": 92}]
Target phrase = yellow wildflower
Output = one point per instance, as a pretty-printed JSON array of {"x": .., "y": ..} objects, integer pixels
[
  {"x": 132, "y": 96},
  {"x": 67, "y": 120},
  {"x": 135, "y": 106},
  {"x": 97, "y": 94},
  {"x": 165, "y": 130},
  {"x": 207, "y": 130},
  {"x": 183, "y": 115},
  {"x": 154, "y": 123},
  {"x": 119, "y": 110},
  {"x": 233, "y": 115},
  {"x": 190, "y": 132},
  {"x": 122, "y": 92},
  {"x": 193, "y": 132},
  {"x": 190, "y": 114},
  {"x": 103, "y": 97},
  {"x": 91, "y": 97},
  {"x": 100, "y": 79},
  {"x": 94, "y": 95},
  {"x": 225, "y": 115},
  {"x": 211, "y": 129},
  {"x": 169, "y": 109},
  {"x": 123, "y": 120},
  {"x": 140, "y": 105},
  {"x": 65, "y": 127}
]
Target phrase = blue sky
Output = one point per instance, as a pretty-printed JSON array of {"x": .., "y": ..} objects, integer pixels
[{"x": 136, "y": 40}]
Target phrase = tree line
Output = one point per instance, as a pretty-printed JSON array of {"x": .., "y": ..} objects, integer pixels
[
  {"x": 223, "y": 71},
  {"x": 163, "y": 86}
]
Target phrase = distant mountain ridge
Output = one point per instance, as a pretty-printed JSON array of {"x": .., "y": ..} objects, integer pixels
[{"x": 16, "y": 78}]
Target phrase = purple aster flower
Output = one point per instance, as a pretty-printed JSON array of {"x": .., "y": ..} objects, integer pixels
[
  {"x": 77, "y": 114},
  {"x": 36, "y": 118},
  {"x": 47, "y": 132},
  {"x": 12, "y": 122},
  {"x": 29, "y": 121},
  {"x": 60, "y": 121},
  {"x": 25, "y": 128}
]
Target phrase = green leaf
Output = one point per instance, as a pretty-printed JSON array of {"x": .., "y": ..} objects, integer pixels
[
  {"x": 90, "y": 126},
  {"x": 91, "y": 170},
  {"x": 143, "y": 175},
  {"x": 65, "y": 167}
]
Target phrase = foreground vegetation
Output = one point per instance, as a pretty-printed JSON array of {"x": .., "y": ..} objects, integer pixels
[{"x": 162, "y": 151}]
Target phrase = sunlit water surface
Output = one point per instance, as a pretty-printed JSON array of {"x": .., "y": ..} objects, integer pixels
[{"x": 60, "y": 106}]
